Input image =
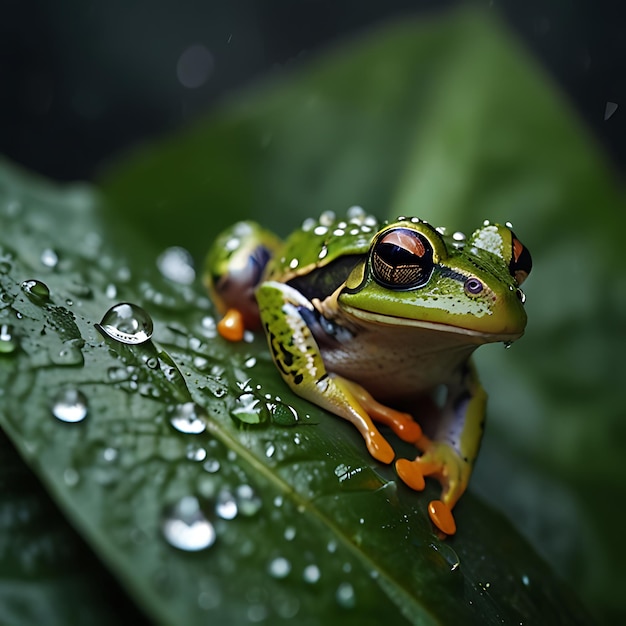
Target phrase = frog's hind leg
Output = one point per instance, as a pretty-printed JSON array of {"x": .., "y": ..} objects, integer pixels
[
  {"x": 233, "y": 269},
  {"x": 297, "y": 357},
  {"x": 449, "y": 457}
]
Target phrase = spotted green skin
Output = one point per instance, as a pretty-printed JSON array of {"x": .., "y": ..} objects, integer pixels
[{"x": 348, "y": 343}]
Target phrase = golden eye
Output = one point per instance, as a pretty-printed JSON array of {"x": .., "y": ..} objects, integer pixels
[
  {"x": 402, "y": 259},
  {"x": 521, "y": 261}
]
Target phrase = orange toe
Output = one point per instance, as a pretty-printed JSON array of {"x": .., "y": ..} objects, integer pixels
[
  {"x": 441, "y": 516},
  {"x": 411, "y": 474},
  {"x": 231, "y": 326},
  {"x": 408, "y": 431},
  {"x": 379, "y": 448}
]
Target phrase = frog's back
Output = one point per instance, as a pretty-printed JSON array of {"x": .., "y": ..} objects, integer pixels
[{"x": 320, "y": 241}]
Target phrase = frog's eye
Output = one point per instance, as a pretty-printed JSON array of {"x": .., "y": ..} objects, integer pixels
[
  {"x": 521, "y": 262},
  {"x": 402, "y": 259}
]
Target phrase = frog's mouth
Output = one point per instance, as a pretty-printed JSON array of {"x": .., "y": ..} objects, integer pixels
[{"x": 477, "y": 336}]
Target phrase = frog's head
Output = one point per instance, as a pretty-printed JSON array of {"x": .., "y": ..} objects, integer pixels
[{"x": 415, "y": 276}]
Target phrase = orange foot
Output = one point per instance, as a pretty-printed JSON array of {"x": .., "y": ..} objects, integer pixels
[
  {"x": 231, "y": 326},
  {"x": 412, "y": 473}
]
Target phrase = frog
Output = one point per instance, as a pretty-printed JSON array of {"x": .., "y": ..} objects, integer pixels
[{"x": 376, "y": 322}]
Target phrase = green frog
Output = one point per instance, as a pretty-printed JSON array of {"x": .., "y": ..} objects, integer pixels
[{"x": 376, "y": 322}]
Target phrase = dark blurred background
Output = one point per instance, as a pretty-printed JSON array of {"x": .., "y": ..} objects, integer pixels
[{"x": 82, "y": 81}]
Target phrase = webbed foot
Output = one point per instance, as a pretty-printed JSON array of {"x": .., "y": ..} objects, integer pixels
[{"x": 441, "y": 461}]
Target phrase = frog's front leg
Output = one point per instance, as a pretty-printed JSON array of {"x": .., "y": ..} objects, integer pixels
[
  {"x": 449, "y": 456},
  {"x": 297, "y": 357}
]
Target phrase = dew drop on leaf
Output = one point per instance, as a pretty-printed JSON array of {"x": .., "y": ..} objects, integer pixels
[
  {"x": 226, "y": 505},
  {"x": 279, "y": 567},
  {"x": 311, "y": 573},
  {"x": 345, "y": 596},
  {"x": 176, "y": 264},
  {"x": 248, "y": 409},
  {"x": 127, "y": 323},
  {"x": 211, "y": 466},
  {"x": 37, "y": 291},
  {"x": 70, "y": 405},
  {"x": 248, "y": 502},
  {"x": 186, "y": 527},
  {"x": 187, "y": 419},
  {"x": 49, "y": 258},
  {"x": 195, "y": 453}
]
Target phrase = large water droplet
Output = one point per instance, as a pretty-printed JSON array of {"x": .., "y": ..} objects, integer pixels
[
  {"x": 186, "y": 527},
  {"x": 8, "y": 342},
  {"x": 176, "y": 264},
  {"x": 284, "y": 414},
  {"x": 186, "y": 418},
  {"x": 127, "y": 323},
  {"x": 70, "y": 405},
  {"x": 248, "y": 409},
  {"x": 37, "y": 291}
]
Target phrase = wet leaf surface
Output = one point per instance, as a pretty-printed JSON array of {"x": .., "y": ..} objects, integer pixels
[{"x": 206, "y": 488}]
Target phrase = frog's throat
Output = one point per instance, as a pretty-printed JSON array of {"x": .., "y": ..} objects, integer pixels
[{"x": 390, "y": 320}]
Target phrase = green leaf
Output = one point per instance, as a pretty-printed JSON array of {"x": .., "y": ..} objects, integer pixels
[
  {"x": 197, "y": 512},
  {"x": 450, "y": 120},
  {"x": 444, "y": 119}
]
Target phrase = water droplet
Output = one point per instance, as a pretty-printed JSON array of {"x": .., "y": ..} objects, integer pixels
[
  {"x": 186, "y": 418},
  {"x": 49, "y": 258},
  {"x": 209, "y": 327},
  {"x": 109, "y": 454},
  {"x": 127, "y": 323},
  {"x": 270, "y": 448},
  {"x": 212, "y": 466},
  {"x": 226, "y": 505},
  {"x": 290, "y": 533},
  {"x": 525, "y": 580},
  {"x": 311, "y": 573},
  {"x": 186, "y": 527},
  {"x": 195, "y": 453},
  {"x": 176, "y": 264},
  {"x": 118, "y": 374},
  {"x": 69, "y": 354},
  {"x": 37, "y": 291},
  {"x": 70, "y": 405},
  {"x": 345, "y": 596},
  {"x": 284, "y": 414},
  {"x": 248, "y": 409},
  {"x": 449, "y": 555},
  {"x": 248, "y": 502},
  {"x": 251, "y": 362},
  {"x": 8, "y": 343},
  {"x": 279, "y": 567}
]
